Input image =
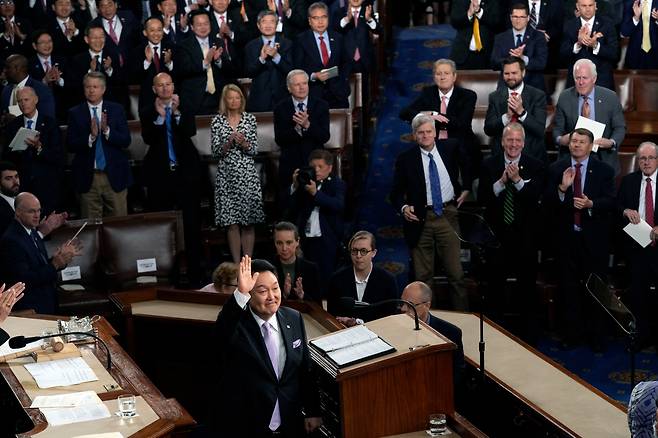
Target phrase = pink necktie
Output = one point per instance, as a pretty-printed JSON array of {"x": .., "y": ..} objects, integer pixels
[
  {"x": 113, "y": 33},
  {"x": 443, "y": 133}
]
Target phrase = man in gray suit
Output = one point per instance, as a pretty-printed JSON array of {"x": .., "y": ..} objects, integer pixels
[
  {"x": 587, "y": 99},
  {"x": 521, "y": 103}
]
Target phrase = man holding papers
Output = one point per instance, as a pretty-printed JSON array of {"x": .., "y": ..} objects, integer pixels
[
  {"x": 636, "y": 200},
  {"x": 580, "y": 194},
  {"x": 265, "y": 378},
  {"x": 591, "y": 102}
]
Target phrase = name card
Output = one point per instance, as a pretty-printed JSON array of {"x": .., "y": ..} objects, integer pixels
[
  {"x": 71, "y": 273},
  {"x": 146, "y": 265}
]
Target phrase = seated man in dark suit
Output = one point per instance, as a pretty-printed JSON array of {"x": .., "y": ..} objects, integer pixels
[
  {"x": 317, "y": 207},
  {"x": 175, "y": 23},
  {"x": 300, "y": 278},
  {"x": 268, "y": 60},
  {"x": 98, "y": 134},
  {"x": 420, "y": 294},
  {"x": 510, "y": 186},
  {"x": 172, "y": 166},
  {"x": 524, "y": 42},
  {"x": 52, "y": 70},
  {"x": 580, "y": 194},
  {"x": 521, "y": 103},
  {"x": 266, "y": 386},
  {"x": 427, "y": 193},
  {"x": 476, "y": 22},
  {"x": 640, "y": 26},
  {"x": 16, "y": 72},
  {"x": 318, "y": 49},
  {"x": 592, "y": 37},
  {"x": 153, "y": 56},
  {"x": 361, "y": 281},
  {"x": 301, "y": 124},
  {"x": 199, "y": 67},
  {"x": 23, "y": 257},
  {"x": 451, "y": 107},
  {"x": 42, "y": 163}
]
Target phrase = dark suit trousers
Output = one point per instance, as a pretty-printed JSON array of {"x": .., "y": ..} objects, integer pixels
[{"x": 644, "y": 274}]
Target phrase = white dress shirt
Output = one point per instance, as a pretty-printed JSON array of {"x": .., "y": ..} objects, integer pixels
[
  {"x": 643, "y": 186},
  {"x": 447, "y": 190}
]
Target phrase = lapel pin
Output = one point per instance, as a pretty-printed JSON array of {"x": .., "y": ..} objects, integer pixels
[{"x": 287, "y": 326}]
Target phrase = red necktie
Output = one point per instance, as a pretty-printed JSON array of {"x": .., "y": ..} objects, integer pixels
[
  {"x": 324, "y": 52},
  {"x": 156, "y": 59},
  {"x": 514, "y": 116},
  {"x": 115, "y": 38},
  {"x": 443, "y": 133},
  {"x": 648, "y": 203},
  {"x": 577, "y": 193}
]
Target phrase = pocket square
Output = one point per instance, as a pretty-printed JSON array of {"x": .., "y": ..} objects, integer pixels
[{"x": 296, "y": 343}]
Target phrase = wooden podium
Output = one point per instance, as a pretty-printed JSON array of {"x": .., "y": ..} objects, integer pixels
[{"x": 390, "y": 394}]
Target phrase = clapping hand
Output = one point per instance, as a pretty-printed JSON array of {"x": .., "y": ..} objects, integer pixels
[
  {"x": 8, "y": 298},
  {"x": 567, "y": 178}
]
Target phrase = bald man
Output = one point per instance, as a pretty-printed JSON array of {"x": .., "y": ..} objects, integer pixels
[
  {"x": 23, "y": 257},
  {"x": 420, "y": 295}
]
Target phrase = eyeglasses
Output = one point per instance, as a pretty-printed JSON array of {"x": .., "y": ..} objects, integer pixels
[
  {"x": 6, "y": 2},
  {"x": 319, "y": 17},
  {"x": 360, "y": 251},
  {"x": 649, "y": 158}
]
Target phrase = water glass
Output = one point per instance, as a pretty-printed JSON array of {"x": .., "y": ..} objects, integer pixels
[
  {"x": 127, "y": 407},
  {"x": 437, "y": 425}
]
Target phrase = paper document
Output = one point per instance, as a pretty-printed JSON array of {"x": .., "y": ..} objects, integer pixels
[
  {"x": 359, "y": 351},
  {"x": 641, "y": 232},
  {"x": 14, "y": 110},
  {"x": 66, "y": 400},
  {"x": 332, "y": 71},
  {"x": 345, "y": 338},
  {"x": 593, "y": 126},
  {"x": 18, "y": 143},
  {"x": 78, "y": 414},
  {"x": 63, "y": 372}
]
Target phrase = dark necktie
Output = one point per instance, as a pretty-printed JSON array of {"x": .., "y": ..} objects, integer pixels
[
  {"x": 648, "y": 203},
  {"x": 577, "y": 193},
  {"x": 170, "y": 137},
  {"x": 324, "y": 51},
  {"x": 508, "y": 203},
  {"x": 300, "y": 106},
  {"x": 156, "y": 59},
  {"x": 99, "y": 64},
  {"x": 435, "y": 186},
  {"x": 533, "y": 15},
  {"x": 35, "y": 239},
  {"x": 519, "y": 40},
  {"x": 29, "y": 124},
  {"x": 99, "y": 155}
]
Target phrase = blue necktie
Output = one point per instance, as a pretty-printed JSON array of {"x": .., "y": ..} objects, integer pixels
[
  {"x": 300, "y": 106},
  {"x": 519, "y": 41},
  {"x": 435, "y": 186},
  {"x": 100, "y": 155},
  {"x": 170, "y": 136},
  {"x": 29, "y": 124}
]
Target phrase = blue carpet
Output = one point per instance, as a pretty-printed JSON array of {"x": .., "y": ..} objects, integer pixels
[{"x": 415, "y": 51}]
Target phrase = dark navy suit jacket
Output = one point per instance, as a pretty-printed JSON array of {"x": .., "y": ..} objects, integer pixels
[
  {"x": 636, "y": 57},
  {"x": 46, "y": 103},
  {"x": 535, "y": 49},
  {"x": 268, "y": 86}
]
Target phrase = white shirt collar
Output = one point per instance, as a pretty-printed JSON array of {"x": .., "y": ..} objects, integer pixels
[
  {"x": 652, "y": 176},
  {"x": 260, "y": 321},
  {"x": 518, "y": 90},
  {"x": 448, "y": 95},
  {"x": 590, "y": 21},
  {"x": 9, "y": 200},
  {"x": 365, "y": 280},
  {"x": 22, "y": 83},
  {"x": 34, "y": 119}
]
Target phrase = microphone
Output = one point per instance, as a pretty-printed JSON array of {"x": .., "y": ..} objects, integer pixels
[
  {"x": 350, "y": 303},
  {"x": 22, "y": 341}
]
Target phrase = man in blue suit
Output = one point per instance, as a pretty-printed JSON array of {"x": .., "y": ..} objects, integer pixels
[
  {"x": 319, "y": 49},
  {"x": 23, "y": 257},
  {"x": 524, "y": 42},
  {"x": 16, "y": 72},
  {"x": 98, "y": 134},
  {"x": 640, "y": 25}
]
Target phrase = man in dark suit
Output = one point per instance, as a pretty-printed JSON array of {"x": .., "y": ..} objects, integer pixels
[
  {"x": 14, "y": 31},
  {"x": 65, "y": 28},
  {"x": 98, "y": 134},
  {"x": 521, "y": 103},
  {"x": 227, "y": 25},
  {"x": 265, "y": 383},
  {"x": 427, "y": 192},
  {"x": 9, "y": 188},
  {"x": 451, "y": 107},
  {"x": 16, "y": 72},
  {"x": 300, "y": 278},
  {"x": 590, "y": 37},
  {"x": 292, "y": 15},
  {"x": 120, "y": 27},
  {"x": 99, "y": 57},
  {"x": 41, "y": 164},
  {"x": 420, "y": 294},
  {"x": 172, "y": 166},
  {"x": 52, "y": 70},
  {"x": 510, "y": 186},
  {"x": 593, "y": 102},
  {"x": 23, "y": 257},
  {"x": 580, "y": 194},
  {"x": 317, "y": 206},
  {"x": 301, "y": 124},
  {"x": 636, "y": 201},
  {"x": 640, "y": 26},
  {"x": 175, "y": 23},
  {"x": 546, "y": 16},
  {"x": 268, "y": 60},
  {"x": 476, "y": 22},
  {"x": 362, "y": 281},
  {"x": 151, "y": 57},
  {"x": 318, "y": 49},
  {"x": 524, "y": 42},
  {"x": 199, "y": 67}
]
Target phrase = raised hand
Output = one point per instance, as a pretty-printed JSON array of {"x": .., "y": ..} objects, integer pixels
[
  {"x": 246, "y": 281},
  {"x": 8, "y": 298}
]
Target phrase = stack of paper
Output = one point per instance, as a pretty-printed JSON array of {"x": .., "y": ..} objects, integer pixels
[
  {"x": 63, "y": 372},
  {"x": 352, "y": 345},
  {"x": 71, "y": 408}
]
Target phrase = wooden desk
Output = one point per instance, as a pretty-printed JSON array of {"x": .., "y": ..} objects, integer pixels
[{"x": 162, "y": 416}]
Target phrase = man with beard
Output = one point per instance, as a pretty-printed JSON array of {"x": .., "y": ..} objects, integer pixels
[{"x": 521, "y": 103}]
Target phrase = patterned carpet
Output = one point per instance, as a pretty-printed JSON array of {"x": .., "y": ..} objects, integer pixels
[{"x": 415, "y": 50}]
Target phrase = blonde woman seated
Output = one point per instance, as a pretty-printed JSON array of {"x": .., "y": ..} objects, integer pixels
[
  {"x": 224, "y": 279},
  {"x": 238, "y": 196}
]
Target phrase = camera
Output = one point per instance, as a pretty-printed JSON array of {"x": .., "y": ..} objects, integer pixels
[{"x": 305, "y": 175}]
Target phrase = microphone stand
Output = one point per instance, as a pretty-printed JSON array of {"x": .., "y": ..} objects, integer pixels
[{"x": 22, "y": 341}]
